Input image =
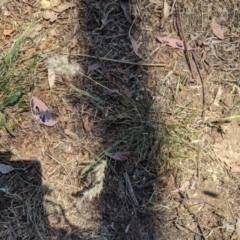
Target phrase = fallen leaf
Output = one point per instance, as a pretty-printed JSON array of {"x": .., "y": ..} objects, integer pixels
[
  {"x": 150, "y": 80},
  {"x": 123, "y": 5},
  {"x": 88, "y": 124},
  {"x": 51, "y": 77},
  {"x": 53, "y": 32},
  {"x": 4, "y": 169},
  {"x": 63, "y": 7},
  {"x": 181, "y": 228},
  {"x": 42, "y": 113},
  {"x": 175, "y": 43},
  {"x": 120, "y": 156},
  {"x": 74, "y": 43},
  {"x": 8, "y": 32},
  {"x": 183, "y": 188},
  {"x": 135, "y": 47},
  {"x": 71, "y": 134},
  {"x": 93, "y": 67},
  {"x": 218, "y": 96},
  {"x": 68, "y": 108},
  {"x": 50, "y": 15},
  {"x": 12, "y": 231},
  {"x": 234, "y": 165},
  {"x": 42, "y": 46},
  {"x": 217, "y": 30},
  {"x": 165, "y": 13},
  {"x": 6, "y": 13}
]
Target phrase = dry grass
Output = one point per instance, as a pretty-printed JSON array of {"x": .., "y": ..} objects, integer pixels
[
  {"x": 191, "y": 143},
  {"x": 181, "y": 133}
]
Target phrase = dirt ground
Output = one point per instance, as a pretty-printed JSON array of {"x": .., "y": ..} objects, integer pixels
[{"x": 146, "y": 144}]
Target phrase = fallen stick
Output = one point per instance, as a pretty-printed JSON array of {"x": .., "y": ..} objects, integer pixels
[
  {"x": 189, "y": 59},
  {"x": 121, "y": 61},
  {"x": 130, "y": 189}
]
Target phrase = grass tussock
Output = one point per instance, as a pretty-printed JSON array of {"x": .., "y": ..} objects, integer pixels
[{"x": 15, "y": 69}]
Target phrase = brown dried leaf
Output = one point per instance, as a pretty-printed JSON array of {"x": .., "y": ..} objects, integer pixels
[
  {"x": 43, "y": 46},
  {"x": 121, "y": 156},
  {"x": 182, "y": 228},
  {"x": 88, "y": 124},
  {"x": 8, "y": 32},
  {"x": 135, "y": 47},
  {"x": 6, "y": 13},
  {"x": 175, "y": 43},
  {"x": 183, "y": 188},
  {"x": 53, "y": 32},
  {"x": 68, "y": 108},
  {"x": 93, "y": 67},
  {"x": 150, "y": 80},
  {"x": 217, "y": 30},
  {"x": 234, "y": 165},
  {"x": 123, "y": 5},
  {"x": 50, "y": 15},
  {"x": 74, "y": 43},
  {"x": 71, "y": 134},
  {"x": 4, "y": 169},
  {"x": 218, "y": 96},
  {"x": 63, "y": 7}
]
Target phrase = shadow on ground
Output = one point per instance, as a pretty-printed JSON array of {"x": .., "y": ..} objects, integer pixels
[
  {"x": 122, "y": 117},
  {"x": 22, "y": 204}
]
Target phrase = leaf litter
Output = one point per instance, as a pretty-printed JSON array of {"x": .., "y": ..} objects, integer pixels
[
  {"x": 209, "y": 167},
  {"x": 52, "y": 15}
]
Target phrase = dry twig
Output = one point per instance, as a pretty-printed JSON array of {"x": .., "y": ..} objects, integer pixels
[
  {"x": 189, "y": 59},
  {"x": 130, "y": 188},
  {"x": 121, "y": 61},
  {"x": 195, "y": 216},
  {"x": 197, "y": 200},
  {"x": 203, "y": 89}
]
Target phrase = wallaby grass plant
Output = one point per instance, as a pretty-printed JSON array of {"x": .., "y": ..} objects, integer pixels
[{"x": 15, "y": 68}]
